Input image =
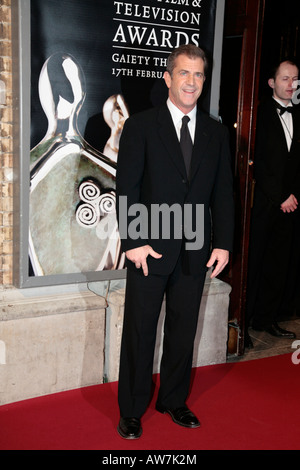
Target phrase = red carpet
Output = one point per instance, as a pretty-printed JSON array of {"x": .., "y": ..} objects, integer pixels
[{"x": 250, "y": 405}]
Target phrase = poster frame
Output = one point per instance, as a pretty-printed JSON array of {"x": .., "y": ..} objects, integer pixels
[{"x": 21, "y": 68}]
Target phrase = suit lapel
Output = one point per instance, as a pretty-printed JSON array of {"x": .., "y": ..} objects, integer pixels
[
  {"x": 170, "y": 140},
  {"x": 200, "y": 143},
  {"x": 296, "y": 128}
]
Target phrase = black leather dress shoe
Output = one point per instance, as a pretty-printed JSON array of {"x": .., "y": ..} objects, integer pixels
[
  {"x": 275, "y": 330},
  {"x": 182, "y": 416},
  {"x": 130, "y": 428}
]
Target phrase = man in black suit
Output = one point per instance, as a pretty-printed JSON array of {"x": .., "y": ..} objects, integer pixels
[
  {"x": 275, "y": 213},
  {"x": 172, "y": 260}
]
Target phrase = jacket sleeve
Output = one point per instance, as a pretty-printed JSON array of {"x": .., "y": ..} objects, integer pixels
[
  {"x": 130, "y": 168},
  {"x": 222, "y": 202}
]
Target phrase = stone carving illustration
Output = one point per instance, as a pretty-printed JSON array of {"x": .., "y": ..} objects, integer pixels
[{"x": 72, "y": 219}]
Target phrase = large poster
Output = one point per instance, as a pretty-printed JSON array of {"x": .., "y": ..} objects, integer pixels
[{"x": 93, "y": 64}]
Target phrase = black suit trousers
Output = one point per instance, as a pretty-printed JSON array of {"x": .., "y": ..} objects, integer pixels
[
  {"x": 143, "y": 301},
  {"x": 270, "y": 263}
]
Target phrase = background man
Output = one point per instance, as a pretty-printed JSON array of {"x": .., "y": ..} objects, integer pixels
[{"x": 276, "y": 201}]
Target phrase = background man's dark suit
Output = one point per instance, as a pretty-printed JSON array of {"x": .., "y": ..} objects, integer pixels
[
  {"x": 273, "y": 232},
  {"x": 151, "y": 171}
]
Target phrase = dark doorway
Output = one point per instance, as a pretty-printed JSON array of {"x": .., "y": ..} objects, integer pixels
[{"x": 257, "y": 33}]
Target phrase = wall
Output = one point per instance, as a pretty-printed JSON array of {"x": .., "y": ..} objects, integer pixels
[{"x": 6, "y": 142}]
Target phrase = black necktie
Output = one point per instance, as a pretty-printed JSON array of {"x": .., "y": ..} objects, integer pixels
[
  {"x": 283, "y": 109},
  {"x": 186, "y": 143}
]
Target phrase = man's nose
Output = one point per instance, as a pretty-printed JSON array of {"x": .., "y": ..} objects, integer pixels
[{"x": 190, "y": 79}]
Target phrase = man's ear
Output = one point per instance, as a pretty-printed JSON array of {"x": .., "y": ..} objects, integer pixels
[
  {"x": 167, "y": 78},
  {"x": 271, "y": 82}
]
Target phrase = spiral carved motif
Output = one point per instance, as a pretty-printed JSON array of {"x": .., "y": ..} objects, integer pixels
[
  {"x": 89, "y": 191},
  {"x": 94, "y": 205}
]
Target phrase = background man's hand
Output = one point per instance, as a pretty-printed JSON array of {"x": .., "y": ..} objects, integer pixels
[{"x": 290, "y": 205}]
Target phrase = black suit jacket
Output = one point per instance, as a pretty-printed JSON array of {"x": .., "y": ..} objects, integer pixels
[
  {"x": 277, "y": 175},
  {"x": 277, "y": 171},
  {"x": 151, "y": 172}
]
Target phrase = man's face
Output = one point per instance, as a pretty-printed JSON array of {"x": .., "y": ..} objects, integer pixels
[
  {"x": 186, "y": 83},
  {"x": 285, "y": 82}
]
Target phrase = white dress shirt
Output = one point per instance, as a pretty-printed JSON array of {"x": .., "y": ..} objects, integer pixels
[
  {"x": 177, "y": 116},
  {"x": 287, "y": 123}
]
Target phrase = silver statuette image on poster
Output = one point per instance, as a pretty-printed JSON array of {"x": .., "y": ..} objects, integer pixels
[{"x": 72, "y": 211}]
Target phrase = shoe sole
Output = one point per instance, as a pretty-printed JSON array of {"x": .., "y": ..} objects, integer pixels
[{"x": 124, "y": 436}]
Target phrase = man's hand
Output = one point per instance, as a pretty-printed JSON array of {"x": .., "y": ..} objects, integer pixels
[
  {"x": 219, "y": 256},
  {"x": 290, "y": 205},
  {"x": 138, "y": 256}
]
